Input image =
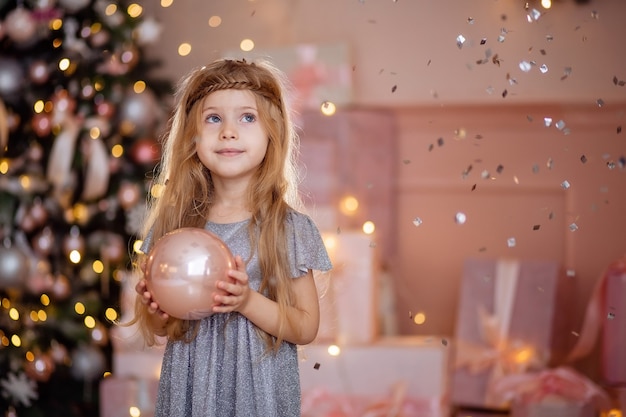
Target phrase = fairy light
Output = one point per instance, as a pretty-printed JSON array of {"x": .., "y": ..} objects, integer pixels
[
  {"x": 166, "y": 3},
  {"x": 90, "y": 322},
  {"x": 137, "y": 246},
  {"x": 75, "y": 256},
  {"x": 79, "y": 308},
  {"x": 94, "y": 133},
  {"x": 64, "y": 64},
  {"x": 139, "y": 86},
  {"x": 369, "y": 227},
  {"x": 117, "y": 151},
  {"x": 14, "y": 314},
  {"x": 4, "y": 166},
  {"x": 349, "y": 205},
  {"x": 111, "y": 314},
  {"x": 44, "y": 299},
  {"x": 39, "y": 106},
  {"x": 97, "y": 266},
  {"x": 215, "y": 21},
  {"x": 334, "y": 350},
  {"x": 111, "y": 9},
  {"x": 16, "y": 341},
  {"x": 134, "y": 411},
  {"x": 42, "y": 315},
  {"x": 134, "y": 10},
  {"x": 328, "y": 108},
  {"x": 419, "y": 318},
  {"x": 184, "y": 49},
  {"x": 246, "y": 45}
]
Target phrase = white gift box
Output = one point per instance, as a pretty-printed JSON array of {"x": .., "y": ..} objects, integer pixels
[
  {"x": 419, "y": 363},
  {"x": 348, "y": 302}
]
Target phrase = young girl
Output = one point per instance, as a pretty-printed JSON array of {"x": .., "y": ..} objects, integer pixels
[{"x": 228, "y": 167}]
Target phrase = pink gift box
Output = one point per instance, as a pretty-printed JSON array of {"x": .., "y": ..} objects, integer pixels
[
  {"x": 508, "y": 322},
  {"x": 554, "y": 408},
  {"x": 118, "y": 395}
]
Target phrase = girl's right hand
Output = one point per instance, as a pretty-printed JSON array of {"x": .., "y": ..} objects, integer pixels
[{"x": 148, "y": 301}]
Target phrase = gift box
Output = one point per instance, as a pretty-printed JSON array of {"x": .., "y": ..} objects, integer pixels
[
  {"x": 416, "y": 366},
  {"x": 559, "y": 392},
  {"x": 348, "y": 300},
  {"x": 122, "y": 397},
  {"x": 508, "y": 322}
]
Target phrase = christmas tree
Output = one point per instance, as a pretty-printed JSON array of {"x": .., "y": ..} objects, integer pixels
[{"x": 78, "y": 127}]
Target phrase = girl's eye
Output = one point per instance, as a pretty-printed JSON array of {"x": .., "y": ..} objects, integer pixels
[
  {"x": 248, "y": 118},
  {"x": 212, "y": 118}
]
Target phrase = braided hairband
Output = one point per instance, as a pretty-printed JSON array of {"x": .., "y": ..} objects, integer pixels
[{"x": 227, "y": 85}]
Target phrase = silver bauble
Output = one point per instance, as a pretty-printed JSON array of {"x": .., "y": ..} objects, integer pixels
[{"x": 14, "y": 267}]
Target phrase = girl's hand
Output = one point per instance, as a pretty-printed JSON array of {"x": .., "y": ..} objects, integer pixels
[
  {"x": 233, "y": 295},
  {"x": 148, "y": 301}
]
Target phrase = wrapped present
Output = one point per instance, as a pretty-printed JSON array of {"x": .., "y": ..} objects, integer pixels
[
  {"x": 322, "y": 403},
  {"x": 605, "y": 318},
  {"x": 559, "y": 392},
  {"x": 348, "y": 304},
  {"x": 121, "y": 397},
  {"x": 419, "y": 364},
  {"x": 507, "y": 323}
]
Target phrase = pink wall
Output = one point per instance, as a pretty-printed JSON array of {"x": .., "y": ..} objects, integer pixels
[{"x": 414, "y": 163}]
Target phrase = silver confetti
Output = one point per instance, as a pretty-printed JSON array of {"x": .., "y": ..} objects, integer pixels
[
  {"x": 565, "y": 185},
  {"x": 417, "y": 221},
  {"x": 543, "y": 68},
  {"x": 573, "y": 227},
  {"x": 533, "y": 15},
  {"x": 560, "y": 125},
  {"x": 610, "y": 316},
  {"x": 460, "y": 40},
  {"x": 510, "y": 242},
  {"x": 600, "y": 102},
  {"x": 547, "y": 121},
  {"x": 525, "y": 66},
  {"x": 460, "y": 218}
]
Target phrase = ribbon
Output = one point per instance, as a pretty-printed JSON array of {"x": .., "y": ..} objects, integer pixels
[
  {"x": 497, "y": 352},
  {"x": 593, "y": 320},
  {"x": 562, "y": 382},
  {"x": 319, "y": 402}
]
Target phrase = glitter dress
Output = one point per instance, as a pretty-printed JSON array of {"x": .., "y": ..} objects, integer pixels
[{"x": 226, "y": 371}]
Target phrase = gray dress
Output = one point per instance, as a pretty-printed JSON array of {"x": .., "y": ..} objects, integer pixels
[{"x": 226, "y": 371}]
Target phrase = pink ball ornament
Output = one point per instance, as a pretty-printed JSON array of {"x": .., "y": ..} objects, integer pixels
[
  {"x": 20, "y": 25},
  {"x": 182, "y": 269}
]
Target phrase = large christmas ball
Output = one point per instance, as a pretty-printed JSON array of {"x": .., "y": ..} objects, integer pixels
[
  {"x": 11, "y": 76},
  {"x": 20, "y": 25},
  {"x": 14, "y": 267},
  {"x": 182, "y": 269}
]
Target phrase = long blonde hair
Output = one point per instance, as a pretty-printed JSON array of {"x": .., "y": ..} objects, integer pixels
[{"x": 188, "y": 190}]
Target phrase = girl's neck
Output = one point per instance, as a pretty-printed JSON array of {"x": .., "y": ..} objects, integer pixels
[{"x": 225, "y": 213}]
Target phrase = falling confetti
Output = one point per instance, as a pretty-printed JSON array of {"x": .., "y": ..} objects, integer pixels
[
  {"x": 499, "y": 169},
  {"x": 440, "y": 142},
  {"x": 483, "y": 41},
  {"x": 460, "y": 40},
  {"x": 583, "y": 159},
  {"x": 600, "y": 102},
  {"x": 525, "y": 66},
  {"x": 549, "y": 163},
  {"x": 504, "y": 93},
  {"x": 444, "y": 342},
  {"x": 533, "y": 15},
  {"x": 393, "y": 89},
  {"x": 547, "y": 121},
  {"x": 417, "y": 221},
  {"x": 317, "y": 365},
  {"x": 573, "y": 227},
  {"x": 543, "y": 68},
  {"x": 619, "y": 130},
  {"x": 536, "y": 227},
  {"x": 406, "y": 161},
  {"x": 610, "y": 316},
  {"x": 460, "y": 218},
  {"x": 565, "y": 185},
  {"x": 560, "y": 125},
  {"x": 511, "y": 242}
]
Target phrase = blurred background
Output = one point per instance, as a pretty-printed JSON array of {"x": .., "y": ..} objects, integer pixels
[{"x": 432, "y": 133}]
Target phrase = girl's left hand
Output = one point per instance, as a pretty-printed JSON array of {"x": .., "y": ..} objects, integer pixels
[{"x": 233, "y": 295}]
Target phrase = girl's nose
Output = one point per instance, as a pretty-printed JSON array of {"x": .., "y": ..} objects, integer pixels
[{"x": 228, "y": 131}]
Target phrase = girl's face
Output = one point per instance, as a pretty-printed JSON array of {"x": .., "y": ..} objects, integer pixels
[{"x": 232, "y": 141}]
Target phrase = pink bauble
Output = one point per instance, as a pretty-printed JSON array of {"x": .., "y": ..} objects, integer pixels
[{"x": 182, "y": 269}]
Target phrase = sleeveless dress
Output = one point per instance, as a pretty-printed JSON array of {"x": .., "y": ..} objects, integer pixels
[{"x": 226, "y": 371}]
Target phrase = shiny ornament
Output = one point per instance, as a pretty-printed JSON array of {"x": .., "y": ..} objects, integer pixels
[
  {"x": 88, "y": 362},
  {"x": 14, "y": 267},
  {"x": 128, "y": 194},
  {"x": 43, "y": 242},
  {"x": 105, "y": 109},
  {"x": 20, "y": 25},
  {"x": 99, "y": 334},
  {"x": 182, "y": 270},
  {"x": 145, "y": 151},
  {"x": 148, "y": 32},
  {"x": 38, "y": 72},
  {"x": 140, "y": 110},
  {"x": 73, "y": 242},
  {"x": 40, "y": 368},
  {"x": 42, "y": 124},
  {"x": 73, "y": 6},
  {"x": 11, "y": 78},
  {"x": 40, "y": 279},
  {"x": 61, "y": 288}
]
